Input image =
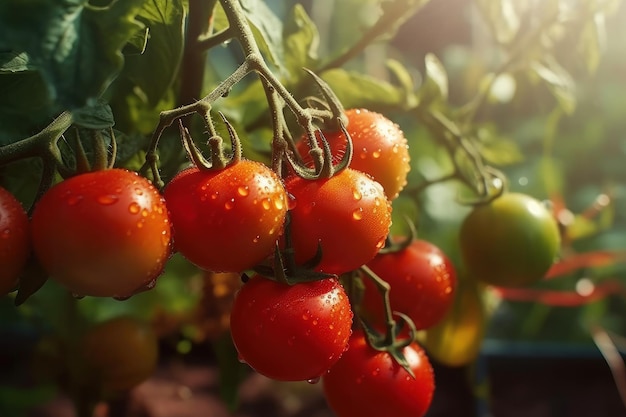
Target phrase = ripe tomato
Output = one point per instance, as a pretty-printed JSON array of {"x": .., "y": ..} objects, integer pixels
[
  {"x": 291, "y": 332},
  {"x": 122, "y": 352},
  {"x": 347, "y": 214},
  {"x": 369, "y": 383},
  {"x": 422, "y": 281},
  {"x": 14, "y": 240},
  {"x": 380, "y": 149},
  {"x": 103, "y": 233},
  {"x": 227, "y": 220},
  {"x": 457, "y": 338},
  {"x": 511, "y": 241}
]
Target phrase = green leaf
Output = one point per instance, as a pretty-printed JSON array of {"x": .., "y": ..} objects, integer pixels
[
  {"x": 359, "y": 90},
  {"x": 497, "y": 150},
  {"x": 155, "y": 69},
  {"x": 301, "y": 42},
  {"x": 11, "y": 62},
  {"x": 558, "y": 80},
  {"x": 435, "y": 86},
  {"x": 501, "y": 18},
  {"x": 78, "y": 50},
  {"x": 98, "y": 116}
]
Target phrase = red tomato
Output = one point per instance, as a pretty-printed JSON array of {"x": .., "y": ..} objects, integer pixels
[
  {"x": 422, "y": 281},
  {"x": 14, "y": 240},
  {"x": 291, "y": 332},
  {"x": 103, "y": 233},
  {"x": 380, "y": 149},
  {"x": 347, "y": 214},
  {"x": 227, "y": 220},
  {"x": 368, "y": 383}
]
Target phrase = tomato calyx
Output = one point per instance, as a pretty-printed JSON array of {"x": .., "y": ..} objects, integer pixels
[
  {"x": 395, "y": 337},
  {"x": 218, "y": 159},
  {"x": 284, "y": 268}
]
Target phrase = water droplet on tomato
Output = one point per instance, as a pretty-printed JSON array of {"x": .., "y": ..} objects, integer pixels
[
  {"x": 134, "y": 208},
  {"x": 357, "y": 214},
  {"x": 6, "y": 233},
  {"x": 215, "y": 195},
  {"x": 241, "y": 359},
  {"x": 74, "y": 199},
  {"x": 138, "y": 191},
  {"x": 375, "y": 372},
  {"x": 376, "y": 154},
  {"x": 243, "y": 191},
  {"x": 278, "y": 203},
  {"x": 256, "y": 239},
  {"x": 380, "y": 243},
  {"x": 144, "y": 213},
  {"x": 266, "y": 204},
  {"x": 229, "y": 204},
  {"x": 313, "y": 380},
  {"x": 107, "y": 199},
  {"x": 291, "y": 202},
  {"x": 357, "y": 195},
  {"x": 140, "y": 223}
]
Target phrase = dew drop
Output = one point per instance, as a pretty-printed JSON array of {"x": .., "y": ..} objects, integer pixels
[
  {"x": 215, "y": 195},
  {"x": 291, "y": 202},
  {"x": 138, "y": 191},
  {"x": 74, "y": 199},
  {"x": 375, "y": 372},
  {"x": 313, "y": 380},
  {"x": 256, "y": 239},
  {"x": 266, "y": 204},
  {"x": 243, "y": 191},
  {"x": 6, "y": 233},
  {"x": 357, "y": 195},
  {"x": 241, "y": 359},
  {"x": 144, "y": 213},
  {"x": 376, "y": 154},
  {"x": 140, "y": 223},
  {"x": 314, "y": 322},
  {"x": 380, "y": 243},
  {"x": 134, "y": 208},
  {"x": 357, "y": 214},
  {"x": 229, "y": 204},
  {"x": 107, "y": 199},
  {"x": 278, "y": 203}
]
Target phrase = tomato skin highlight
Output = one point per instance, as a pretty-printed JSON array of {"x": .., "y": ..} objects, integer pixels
[
  {"x": 348, "y": 215},
  {"x": 123, "y": 352},
  {"x": 422, "y": 280},
  {"x": 511, "y": 241},
  {"x": 104, "y": 233},
  {"x": 291, "y": 332},
  {"x": 380, "y": 149},
  {"x": 15, "y": 240},
  {"x": 227, "y": 220},
  {"x": 369, "y": 383}
]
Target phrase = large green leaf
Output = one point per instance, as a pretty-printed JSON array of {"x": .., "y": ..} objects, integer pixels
[
  {"x": 301, "y": 41},
  {"x": 359, "y": 90},
  {"x": 76, "y": 48},
  {"x": 155, "y": 69}
]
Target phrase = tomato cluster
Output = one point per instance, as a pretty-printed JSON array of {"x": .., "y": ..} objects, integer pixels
[{"x": 109, "y": 233}]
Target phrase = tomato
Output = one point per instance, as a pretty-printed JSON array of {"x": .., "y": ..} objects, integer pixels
[
  {"x": 422, "y": 281},
  {"x": 14, "y": 240},
  {"x": 369, "y": 383},
  {"x": 457, "y": 338},
  {"x": 347, "y": 214},
  {"x": 291, "y": 332},
  {"x": 227, "y": 220},
  {"x": 511, "y": 241},
  {"x": 380, "y": 149},
  {"x": 103, "y": 233},
  {"x": 121, "y": 352}
]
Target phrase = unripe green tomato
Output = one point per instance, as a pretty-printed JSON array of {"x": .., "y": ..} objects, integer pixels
[{"x": 511, "y": 241}]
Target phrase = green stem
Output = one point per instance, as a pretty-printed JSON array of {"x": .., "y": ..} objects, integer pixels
[
  {"x": 194, "y": 58},
  {"x": 384, "y": 288}
]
